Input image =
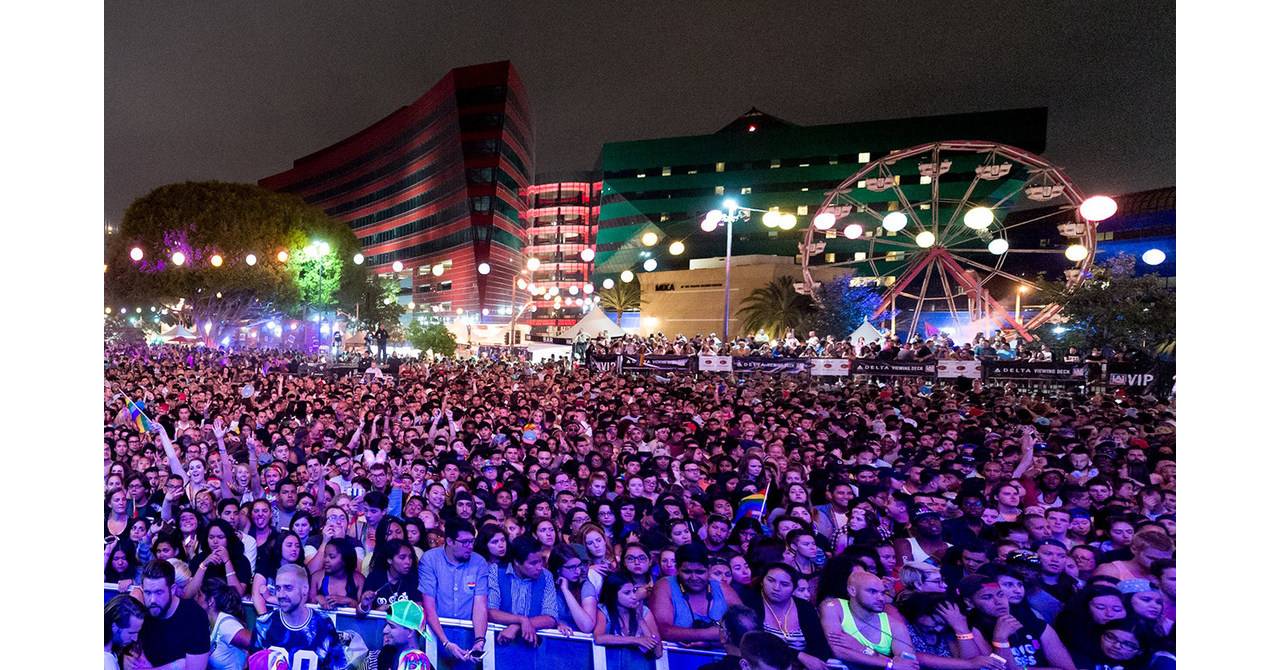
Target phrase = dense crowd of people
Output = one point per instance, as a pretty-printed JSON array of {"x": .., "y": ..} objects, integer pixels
[{"x": 901, "y": 529}]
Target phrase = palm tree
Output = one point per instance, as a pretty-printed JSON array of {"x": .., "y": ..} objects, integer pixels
[
  {"x": 775, "y": 307},
  {"x": 623, "y": 297}
]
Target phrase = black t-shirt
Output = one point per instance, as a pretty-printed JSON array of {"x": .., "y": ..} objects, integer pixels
[
  {"x": 167, "y": 640},
  {"x": 243, "y": 572},
  {"x": 387, "y": 593}
]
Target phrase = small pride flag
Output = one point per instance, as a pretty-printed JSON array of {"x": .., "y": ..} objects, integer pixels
[
  {"x": 752, "y": 505},
  {"x": 138, "y": 417}
]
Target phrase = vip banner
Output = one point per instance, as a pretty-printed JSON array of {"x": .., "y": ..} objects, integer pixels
[
  {"x": 1027, "y": 370},
  {"x": 831, "y": 367},
  {"x": 871, "y": 366},
  {"x": 645, "y": 362},
  {"x": 1155, "y": 378},
  {"x": 715, "y": 363},
  {"x": 957, "y": 369},
  {"x": 601, "y": 363},
  {"x": 771, "y": 365}
]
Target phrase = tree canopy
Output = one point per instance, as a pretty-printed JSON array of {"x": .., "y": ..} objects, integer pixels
[
  {"x": 201, "y": 220},
  {"x": 1113, "y": 306},
  {"x": 432, "y": 336},
  {"x": 775, "y": 307},
  {"x": 622, "y": 297}
]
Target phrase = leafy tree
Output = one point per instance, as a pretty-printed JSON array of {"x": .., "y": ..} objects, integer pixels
[
  {"x": 623, "y": 297},
  {"x": 1113, "y": 307},
  {"x": 431, "y": 336},
  {"x": 378, "y": 303},
  {"x": 843, "y": 303},
  {"x": 775, "y": 307},
  {"x": 204, "y": 219}
]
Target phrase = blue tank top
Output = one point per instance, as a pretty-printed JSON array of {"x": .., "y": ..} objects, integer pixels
[{"x": 685, "y": 616}]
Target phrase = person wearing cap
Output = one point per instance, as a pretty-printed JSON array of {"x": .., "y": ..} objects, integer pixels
[
  {"x": 1029, "y": 644},
  {"x": 400, "y": 644},
  {"x": 924, "y": 538}
]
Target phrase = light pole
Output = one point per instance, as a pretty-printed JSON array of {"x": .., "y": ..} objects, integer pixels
[
  {"x": 733, "y": 213},
  {"x": 1017, "y": 307}
]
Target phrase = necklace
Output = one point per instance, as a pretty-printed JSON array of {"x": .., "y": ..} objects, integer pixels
[{"x": 786, "y": 614}]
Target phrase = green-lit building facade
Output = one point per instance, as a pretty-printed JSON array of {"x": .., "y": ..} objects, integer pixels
[{"x": 667, "y": 185}]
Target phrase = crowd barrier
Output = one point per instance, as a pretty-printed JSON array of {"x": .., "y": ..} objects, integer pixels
[
  {"x": 1155, "y": 377},
  {"x": 555, "y": 651}
]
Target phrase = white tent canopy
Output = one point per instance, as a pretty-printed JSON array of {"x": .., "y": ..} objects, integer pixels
[
  {"x": 593, "y": 324},
  {"x": 180, "y": 334},
  {"x": 867, "y": 332}
]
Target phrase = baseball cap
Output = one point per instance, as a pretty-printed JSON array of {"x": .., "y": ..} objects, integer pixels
[
  {"x": 921, "y": 511},
  {"x": 1079, "y": 513},
  {"x": 409, "y": 614}
]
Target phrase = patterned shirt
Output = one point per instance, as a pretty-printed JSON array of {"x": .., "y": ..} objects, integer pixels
[
  {"x": 523, "y": 600},
  {"x": 313, "y": 645}
]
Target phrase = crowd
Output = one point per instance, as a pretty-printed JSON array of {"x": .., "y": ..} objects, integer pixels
[
  {"x": 938, "y": 346},
  {"x": 976, "y": 528}
]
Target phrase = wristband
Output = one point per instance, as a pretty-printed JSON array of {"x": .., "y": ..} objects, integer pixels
[
  {"x": 890, "y": 665},
  {"x": 1000, "y": 645},
  {"x": 964, "y": 636}
]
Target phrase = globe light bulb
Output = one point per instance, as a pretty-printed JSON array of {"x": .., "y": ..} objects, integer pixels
[
  {"x": 588, "y": 255},
  {"x": 772, "y": 219},
  {"x": 1077, "y": 253},
  {"x": 627, "y": 276},
  {"x": 216, "y": 261},
  {"x": 649, "y": 239},
  {"x": 998, "y": 246},
  {"x": 359, "y": 259},
  {"x": 607, "y": 283},
  {"x": 1153, "y": 257},
  {"x": 853, "y": 231},
  {"x": 1098, "y": 208},
  {"x": 979, "y": 218},
  {"x": 588, "y": 289},
  {"x": 925, "y": 239},
  {"x": 708, "y": 226},
  {"x": 894, "y": 221},
  {"x": 136, "y": 254},
  {"x": 251, "y": 260},
  {"x": 676, "y": 248},
  {"x": 437, "y": 269},
  {"x": 788, "y": 222},
  {"x": 179, "y": 258},
  {"x": 715, "y": 216},
  {"x": 397, "y": 266},
  {"x": 533, "y": 264},
  {"x": 483, "y": 268},
  {"x": 651, "y": 265},
  {"x": 521, "y": 284},
  {"x": 824, "y": 221},
  {"x": 283, "y": 256}
]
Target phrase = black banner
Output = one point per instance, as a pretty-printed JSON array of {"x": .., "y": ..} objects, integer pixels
[
  {"x": 871, "y": 366},
  {"x": 605, "y": 363},
  {"x": 549, "y": 339},
  {"x": 1154, "y": 378},
  {"x": 770, "y": 365},
  {"x": 997, "y": 369},
  {"x": 641, "y": 363}
]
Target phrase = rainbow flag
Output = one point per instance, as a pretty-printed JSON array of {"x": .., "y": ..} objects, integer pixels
[
  {"x": 138, "y": 417},
  {"x": 752, "y": 505}
]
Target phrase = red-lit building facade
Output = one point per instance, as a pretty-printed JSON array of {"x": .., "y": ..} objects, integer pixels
[
  {"x": 561, "y": 222},
  {"x": 438, "y": 186}
]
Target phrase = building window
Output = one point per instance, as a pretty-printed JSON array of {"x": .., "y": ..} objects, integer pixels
[
  {"x": 831, "y": 234},
  {"x": 833, "y": 160},
  {"x": 859, "y": 255},
  {"x": 775, "y": 163},
  {"x": 773, "y": 233},
  {"x": 719, "y": 167},
  {"x": 639, "y": 175},
  {"x": 746, "y": 190},
  {"x": 804, "y": 189},
  {"x": 693, "y": 172},
  {"x": 925, "y": 179},
  {"x": 446, "y": 285},
  {"x": 864, "y": 157},
  {"x": 803, "y": 165},
  {"x": 862, "y": 183},
  {"x": 802, "y": 210},
  {"x": 664, "y": 217},
  {"x": 830, "y": 258},
  {"x": 720, "y": 189},
  {"x": 666, "y": 172}
]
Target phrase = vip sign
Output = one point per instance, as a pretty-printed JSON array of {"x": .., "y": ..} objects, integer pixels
[{"x": 838, "y": 367}]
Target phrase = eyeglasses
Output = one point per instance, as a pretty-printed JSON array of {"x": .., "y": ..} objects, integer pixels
[
  {"x": 466, "y": 543},
  {"x": 636, "y": 558},
  {"x": 1112, "y": 638}
]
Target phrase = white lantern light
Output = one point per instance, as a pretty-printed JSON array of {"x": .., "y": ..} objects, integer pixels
[
  {"x": 649, "y": 239},
  {"x": 1098, "y": 208},
  {"x": 251, "y": 260},
  {"x": 925, "y": 239},
  {"x": 359, "y": 259},
  {"x": 715, "y": 216},
  {"x": 588, "y": 288},
  {"x": 651, "y": 265},
  {"x": 135, "y": 253},
  {"x": 483, "y": 268},
  {"x": 998, "y": 246},
  {"x": 607, "y": 283},
  {"x": 853, "y": 231},
  {"x": 772, "y": 218},
  {"x": 788, "y": 222},
  {"x": 588, "y": 254},
  {"x": 824, "y": 221},
  {"x": 573, "y": 290},
  {"x": 979, "y": 218},
  {"x": 1153, "y": 257},
  {"x": 894, "y": 221},
  {"x": 627, "y": 276},
  {"x": 708, "y": 226},
  {"x": 1077, "y": 253},
  {"x": 533, "y": 264},
  {"x": 397, "y": 266},
  {"x": 179, "y": 258}
]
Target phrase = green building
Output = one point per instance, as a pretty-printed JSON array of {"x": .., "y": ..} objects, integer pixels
[{"x": 666, "y": 186}]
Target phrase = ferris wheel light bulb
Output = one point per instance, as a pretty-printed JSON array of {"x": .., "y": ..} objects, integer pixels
[
  {"x": 1098, "y": 208},
  {"x": 607, "y": 283},
  {"x": 787, "y": 222},
  {"x": 925, "y": 239},
  {"x": 1153, "y": 257},
  {"x": 894, "y": 221},
  {"x": 1077, "y": 253},
  {"x": 824, "y": 221},
  {"x": 853, "y": 231},
  {"x": 651, "y": 265},
  {"x": 979, "y": 218},
  {"x": 998, "y": 246},
  {"x": 772, "y": 218}
]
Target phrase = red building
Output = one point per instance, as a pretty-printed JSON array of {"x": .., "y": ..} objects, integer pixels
[
  {"x": 436, "y": 185},
  {"x": 561, "y": 222}
]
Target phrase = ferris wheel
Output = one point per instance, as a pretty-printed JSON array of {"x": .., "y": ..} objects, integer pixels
[{"x": 937, "y": 224}]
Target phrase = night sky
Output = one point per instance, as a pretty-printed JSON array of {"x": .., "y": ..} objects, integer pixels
[{"x": 236, "y": 91}]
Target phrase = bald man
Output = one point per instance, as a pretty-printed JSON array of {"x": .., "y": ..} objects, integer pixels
[{"x": 860, "y": 632}]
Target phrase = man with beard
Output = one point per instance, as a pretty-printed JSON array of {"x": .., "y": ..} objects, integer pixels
[
  {"x": 924, "y": 539},
  {"x": 307, "y": 638},
  {"x": 176, "y": 629},
  {"x": 860, "y": 632}
]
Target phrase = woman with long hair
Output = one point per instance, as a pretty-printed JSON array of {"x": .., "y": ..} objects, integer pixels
[
  {"x": 116, "y": 522},
  {"x": 624, "y": 621},
  {"x": 1081, "y": 619},
  {"x": 287, "y": 551},
  {"x": 415, "y": 533},
  {"x": 338, "y": 582},
  {"x": 786, "y": 617},
  {"x": 544, "y": 531},
  {"x": 392, "y": 578},
  {"x": 140, "y": 536},
  {"x": 303, "y": 525},
  {"x": 602, "y": 558},
  {"x": 389, "y": 528},
  {"x": 220, "y": 547},
  {"x": 572, "y": 589},
  {"x": 491, "y": 543},
  {"x": 120, "y": 566},
  {"x": 229, "y": 640},
  {"x": 744, "y": 531},
  {"x": 605, "y": 513}
]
